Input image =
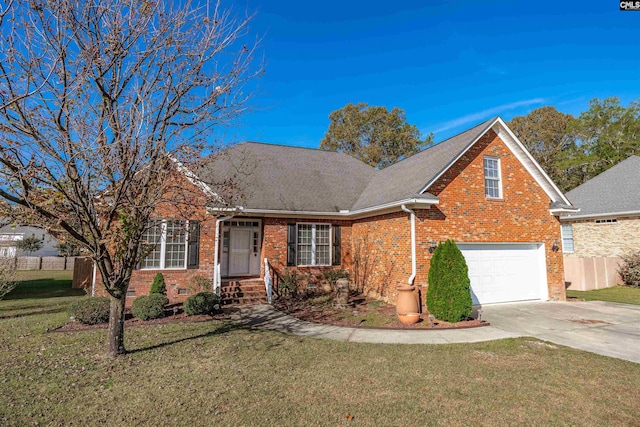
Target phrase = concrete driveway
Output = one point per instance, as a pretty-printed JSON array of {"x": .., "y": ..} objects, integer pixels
[{"x": 605, "y": 328}]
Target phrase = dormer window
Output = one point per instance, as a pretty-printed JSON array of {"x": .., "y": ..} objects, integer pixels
[{"x": 492, "y": 181}]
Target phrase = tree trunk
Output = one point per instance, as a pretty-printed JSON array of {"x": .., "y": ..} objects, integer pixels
[{"x": 115, "y": 342}]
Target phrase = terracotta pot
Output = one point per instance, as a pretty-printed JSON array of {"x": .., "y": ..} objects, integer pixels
[
  {"x": 407, "y": 305},
  {"x": 409, "y": 319}
]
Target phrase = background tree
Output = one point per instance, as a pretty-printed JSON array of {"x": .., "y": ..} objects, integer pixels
[
  {"x": 544, "y": 132},
  {"x": 375, "y": 135},
  {"x": 29, "y": 244},
  {"x": 607, "y": 133},
  {"x": 99, "y": 99}
]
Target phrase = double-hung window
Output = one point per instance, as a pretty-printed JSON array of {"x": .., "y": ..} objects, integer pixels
[
  {"x": 165, "y": 244},
  {"x": 567, "y": 238},
  {"x": 492, "y": 182},
  {"x": 314, "y": 244}
]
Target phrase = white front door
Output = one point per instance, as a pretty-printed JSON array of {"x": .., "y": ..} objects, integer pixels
[{"x": 240, "y": 251}]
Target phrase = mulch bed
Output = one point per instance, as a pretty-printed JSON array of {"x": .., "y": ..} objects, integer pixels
[
  {"x": 361, "y": 312},
  {"x": 171, "y": 316}
]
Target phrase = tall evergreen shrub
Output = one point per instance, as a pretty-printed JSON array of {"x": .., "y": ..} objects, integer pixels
[
  {"x": 449, "y": 292},
  {"x": 158, "y": 286}
]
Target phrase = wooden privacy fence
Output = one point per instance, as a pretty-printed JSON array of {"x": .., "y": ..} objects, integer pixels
[
  {"x": 44, "y": 263},
  {"x": 82, "y": 273},
  {"x": 587, "y": 273}
]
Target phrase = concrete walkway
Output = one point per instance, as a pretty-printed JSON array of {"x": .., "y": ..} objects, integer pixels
[
  {"x": 604, "y": 328},
  {"x": 268, "y": 318}
]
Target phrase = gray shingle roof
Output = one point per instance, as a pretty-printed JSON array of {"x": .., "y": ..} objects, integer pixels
[
  {"x": 289, "y": 178},
  {"x": 407, "y": 177},
  {"x": 615, "y": 190},
  {"x": 285, "y": 178}
]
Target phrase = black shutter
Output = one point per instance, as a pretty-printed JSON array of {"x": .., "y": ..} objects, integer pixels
[
  {"x": 291, "y": 244},
  {"x": 336, "y": 245},
  {"x": 193, "y": 246}
]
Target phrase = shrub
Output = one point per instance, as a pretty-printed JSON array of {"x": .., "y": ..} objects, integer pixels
[
  {"x": 150, "y": 306},
  {"x": 202, "y": 303},
  {"x": 289, "y": 284},
  {"x": 449, "y": 292},
  {"x": 158, "y": 286},
  {"x": 629, "y": 269},
  {"x": 90, "y": 311}
]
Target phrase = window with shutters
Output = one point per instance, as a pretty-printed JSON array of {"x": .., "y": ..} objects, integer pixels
[
  {"x": 165, "y": 243},
  {"x": 313, "y": 245}
]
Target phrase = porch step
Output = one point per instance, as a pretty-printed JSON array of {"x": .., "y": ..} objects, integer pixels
[{"x": 243, "y": 292}]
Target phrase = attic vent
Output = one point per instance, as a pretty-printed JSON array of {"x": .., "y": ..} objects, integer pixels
[
  {"x": 182, "y": 291},
  {"x": 131, "y": 293},
  {"x": 606, "y": 221}
]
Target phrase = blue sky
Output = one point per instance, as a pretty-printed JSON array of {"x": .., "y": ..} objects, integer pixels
[{"x": 448, "y": 64}]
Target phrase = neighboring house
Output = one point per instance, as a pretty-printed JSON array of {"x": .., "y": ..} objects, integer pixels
[
  {"x": 308, "y": 211},
  {"x": 11, "y": 233},
  {"x": 606, "y": 227}
]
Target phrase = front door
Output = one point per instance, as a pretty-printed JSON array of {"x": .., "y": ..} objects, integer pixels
[{"x": 240, "y": 251}]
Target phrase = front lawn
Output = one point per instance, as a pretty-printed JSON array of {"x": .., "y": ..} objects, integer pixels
[
  {"x": 214, "y": 373},
  {"x": 622, "y": 294}
]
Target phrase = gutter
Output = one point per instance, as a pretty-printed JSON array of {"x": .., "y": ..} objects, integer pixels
[
  {"x": 341, "y": 214},
  {"x": 413, "y": 243},
  {"x": 599, "y": 215},
  {"x": 216, "y": 267}
]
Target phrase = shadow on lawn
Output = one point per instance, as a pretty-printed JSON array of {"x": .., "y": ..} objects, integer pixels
[
  {"x": 43, "y": 288},
  {"x": 223, "y": 329},
  {"x": 33, "y": 313}
]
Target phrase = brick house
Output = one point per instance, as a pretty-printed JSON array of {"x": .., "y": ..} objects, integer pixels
[
  {"x": 606, "y": 228},
  {"x": 309, "y": 210}
]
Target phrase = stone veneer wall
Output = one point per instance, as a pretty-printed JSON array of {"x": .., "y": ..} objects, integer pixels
[{"x": 605, "y": 240}]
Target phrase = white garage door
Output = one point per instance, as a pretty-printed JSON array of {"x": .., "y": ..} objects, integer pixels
[{"x": 505, "y": 272}]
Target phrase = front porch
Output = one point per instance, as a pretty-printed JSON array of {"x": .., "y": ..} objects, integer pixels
[{"x": 244, "y": 291}]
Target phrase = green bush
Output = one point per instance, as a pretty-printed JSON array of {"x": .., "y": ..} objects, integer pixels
[
  {"x": 630, "y": 270},
  {"x": 150, "y": 306},
  {"x": 90, "y": 311},
  {"x": 289, "y": 283},
  {"x": 449, "y": 292},
  {"x": 158, "y": 286},
  {"x": 202, "y": 303}
]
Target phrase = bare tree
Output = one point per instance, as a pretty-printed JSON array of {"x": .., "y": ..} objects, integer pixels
[{"x": 100, "y": 100}]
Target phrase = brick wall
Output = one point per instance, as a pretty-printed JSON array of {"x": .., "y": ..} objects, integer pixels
[
  {"x": 465, "y": 215},
  {"x": 274, "y": 247},
  {"x": 605, "y": 240},
  {"x": 178, "y": 208}
]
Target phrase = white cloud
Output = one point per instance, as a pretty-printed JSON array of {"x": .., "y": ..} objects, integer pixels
[{"x": 485, "y": 114}]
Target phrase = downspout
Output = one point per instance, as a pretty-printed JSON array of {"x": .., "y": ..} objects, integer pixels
[
  {"x": 413, "y": 243},
  {"x": 93, "y": 280},
  {"x": 216, "y": 266}
]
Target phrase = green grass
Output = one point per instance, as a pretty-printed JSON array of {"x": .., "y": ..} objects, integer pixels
[
  {"x": 214, "y": 373},
  {"x": 622, "y": 294}
]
